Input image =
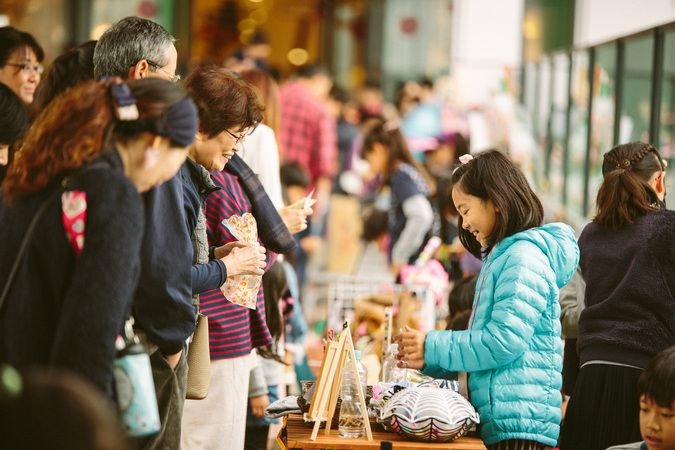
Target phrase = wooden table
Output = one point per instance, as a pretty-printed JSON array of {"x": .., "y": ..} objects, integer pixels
[{"x": 298, "y": 433}]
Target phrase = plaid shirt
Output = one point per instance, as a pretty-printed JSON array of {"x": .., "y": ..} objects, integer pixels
[{"x": 308, "y": 132}]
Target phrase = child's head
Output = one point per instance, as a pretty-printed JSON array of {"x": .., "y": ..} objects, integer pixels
[
  {"x": 656, "y": 388},
  {"x": 633, "y": 184},
  {"x": 460, "y": 302},
  {"x": 294, "y": 180},
  {"x": 494, "y": 200},
  {"x": 384, "y": 147}
]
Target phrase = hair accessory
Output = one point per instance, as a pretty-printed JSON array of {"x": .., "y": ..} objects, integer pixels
[
  {"x": 179, "y": 124},
  {"x": 623, "y": 164},
  {"x": 125, "y": 103},
  {"x": 465, "y": 158},
  {"x": 391, "y": 125}
]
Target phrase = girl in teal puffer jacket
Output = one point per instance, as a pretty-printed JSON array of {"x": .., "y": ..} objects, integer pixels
[{"x": 512, "y": 348}]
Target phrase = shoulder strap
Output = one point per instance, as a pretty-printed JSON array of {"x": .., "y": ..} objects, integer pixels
[{"x": 22, "y": 249}]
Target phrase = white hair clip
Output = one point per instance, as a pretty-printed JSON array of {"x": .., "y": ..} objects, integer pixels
[
  {"x": 465, "y": 158},
  {"x": 391, "y": 125}
]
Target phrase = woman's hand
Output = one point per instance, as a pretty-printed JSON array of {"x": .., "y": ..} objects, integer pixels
[
  {"x": 411, "y": 348},
  {"x": 295, "y": 219},
  {"x": 259, "y": 404},
  {"x": 224, "y": 250},
  {"x": 247, "y": 260}
]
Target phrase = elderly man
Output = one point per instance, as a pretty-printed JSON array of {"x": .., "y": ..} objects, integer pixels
[{"x": 164, "y": 315}]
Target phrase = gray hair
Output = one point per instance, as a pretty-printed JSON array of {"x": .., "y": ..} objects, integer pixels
[{"x": 128, "y": 41}]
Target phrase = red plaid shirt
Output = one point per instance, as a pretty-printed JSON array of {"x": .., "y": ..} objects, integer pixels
[{"x": 308, "y": 132}]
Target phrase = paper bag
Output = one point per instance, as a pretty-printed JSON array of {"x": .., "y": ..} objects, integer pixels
[{"x": 242, "y": 289}]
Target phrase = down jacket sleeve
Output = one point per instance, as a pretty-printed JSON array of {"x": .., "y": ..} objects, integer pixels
[{"x": 513, "y": 301}]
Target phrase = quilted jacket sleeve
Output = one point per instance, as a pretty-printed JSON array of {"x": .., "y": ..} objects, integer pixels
[{"x": 512, "y": 302}]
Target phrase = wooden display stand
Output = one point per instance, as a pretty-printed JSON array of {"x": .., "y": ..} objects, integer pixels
[{"x": 327, "y": 386}]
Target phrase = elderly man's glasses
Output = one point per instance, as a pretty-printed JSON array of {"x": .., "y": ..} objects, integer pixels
[
  {"x": 174, "y": 78},
  {"x": 28, "y": 68}
]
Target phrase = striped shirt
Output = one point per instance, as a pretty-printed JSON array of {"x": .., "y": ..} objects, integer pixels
[{"x": 233, "y": 329}]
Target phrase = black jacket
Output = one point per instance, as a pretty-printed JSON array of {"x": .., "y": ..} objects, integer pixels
[
  {"x": 65, "y": 310},
  {"x": 163, "y": 301},
  {"x": 630, "y": 282}
]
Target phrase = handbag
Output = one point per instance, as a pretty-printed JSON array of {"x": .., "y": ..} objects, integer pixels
[{"x": 199, "y": 361}]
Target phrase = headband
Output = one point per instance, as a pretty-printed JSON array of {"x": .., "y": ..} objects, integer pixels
[{"x": 178, "y": 123}]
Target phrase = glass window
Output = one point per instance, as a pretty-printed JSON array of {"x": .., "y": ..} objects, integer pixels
[
  {"x": 667, "y": 122},
  {"x": 602, "y": 116},
  {"x": 530, "y": 86},
  {"x": 543, "y": 110},
  {"x": 636, "y": 90},
  {"x": 558, "y": 124},
  {"x": 542, "y": 113},
  {"x": 579, "y": 92}
]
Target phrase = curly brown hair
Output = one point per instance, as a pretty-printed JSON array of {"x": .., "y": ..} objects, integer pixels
[{"x": 79, "y": 125}]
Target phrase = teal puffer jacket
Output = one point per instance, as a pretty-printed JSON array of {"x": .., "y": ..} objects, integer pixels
[{"x": 513, "y": 348}]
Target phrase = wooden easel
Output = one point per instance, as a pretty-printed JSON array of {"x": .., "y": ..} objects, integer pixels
[{"x": 327, "y": 386}]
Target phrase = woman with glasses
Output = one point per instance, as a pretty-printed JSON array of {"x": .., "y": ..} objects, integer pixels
[
  {"x": 20, "y": 58},
  {"x": 228, "y": 110}
]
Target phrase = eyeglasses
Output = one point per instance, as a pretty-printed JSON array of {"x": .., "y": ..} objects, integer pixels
[
  {"x": 173, "y": 78},
  {"x": 237, "y": 139},
  {"x": 27, "y": 68}
]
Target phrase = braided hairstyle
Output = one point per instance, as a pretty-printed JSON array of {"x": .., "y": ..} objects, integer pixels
[{"x": 625, "y": 193}]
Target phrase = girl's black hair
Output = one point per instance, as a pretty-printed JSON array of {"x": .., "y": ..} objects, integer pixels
[
  {"x": 491, "y": 175},
  {"x": 657, "y": 382},
  {"x": 625, "y": 193},
  {"x": 274, "y": 286},
  {"x": 389, "y": 135}
]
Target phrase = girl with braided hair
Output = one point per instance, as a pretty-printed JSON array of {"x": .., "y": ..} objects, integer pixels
[{"x": 628, "y": 263}]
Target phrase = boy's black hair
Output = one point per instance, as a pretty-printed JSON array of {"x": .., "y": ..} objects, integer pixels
[
  {"x": 340, "y": 94},
  {"x": 311, "y": 70},
  {"x": 657, "y": 382},
  {"x": 292, "y": 174},
  {"x": 375, "y": 224}
]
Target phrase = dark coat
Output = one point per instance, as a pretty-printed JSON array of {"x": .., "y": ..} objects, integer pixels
[{"x": 65, "y": 310}]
